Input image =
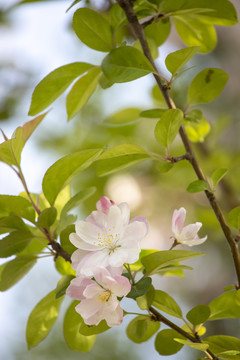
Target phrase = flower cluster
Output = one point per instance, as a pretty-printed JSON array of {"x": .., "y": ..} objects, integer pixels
[{"x": 105, "y": 241}]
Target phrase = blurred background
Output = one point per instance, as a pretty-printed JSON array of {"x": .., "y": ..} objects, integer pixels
[{"x": 37, "y": 37}]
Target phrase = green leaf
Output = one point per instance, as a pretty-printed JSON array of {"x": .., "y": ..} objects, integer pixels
[
  {"x": 125, "y": 64},
  {"x": 77, "y": 199},
  {"x": 74, "y": 3},
  {"x": 62, "y": 171},
  {"x": 225, "y": 306},
  {"x": 196, "y": 33},
  {"x": 199, "y": 314},
  {"x": 164, "y": 166},
  {"x": 153, "y": 113},
  {"x": 47, "y": 217},
  {"x": 218, "y": 175},
  {"x": 145, "y": 301},
  {"x": 142, "y": 328},
  {"x": 64, "y": 267},
  {"x": 138, "y": 264},
  {"x": 14, "y": 243},
  {"x": 220, "y": 345},
  {"x": 207, "y": 85},
  {"x": 140, "y": 288},
  {"x": 124, "y": 117},
  {"x": 54, "y": 84},
  {"x": 11, "y": 223},
  {"x": 168, "y": 126},
  {"x": 166, "y": 303},
  {"x": 198, "y": 130},
  {"x": 12, "y": 271},
  {"x": 64, "y": 222},
  {"x": 42, "y": 319},
  {"x": 158, "y": 31},
  {"x": 120, "y": 157},
  {"x": 62, "y": 285},
  {"x": 29, "y": 127},
  {"x": 160, "y": 259},
  {"x": 165, "y": 343},
  {"x": 16, "y": 205},
  {"x": 202, "y": 347},
  {"x": 93, "y": 29},
  {"x": 71, "y": 326},
  {"x": 233, "y": 217},
  {"x": 64, "y": 239},
  {"x": 177, "y": 59},
  {"x": 88, "y": 330},
  {"x": 197, "y": 186},
  {"x": 82, "y": 91},
  {"x": 194, "y": 116}
]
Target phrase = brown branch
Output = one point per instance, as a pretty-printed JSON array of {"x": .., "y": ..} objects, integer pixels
[{"x": 139, "y": 33}]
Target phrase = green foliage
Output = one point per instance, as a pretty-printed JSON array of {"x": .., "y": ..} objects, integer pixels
[
  {"x": 62, "y": 171},
  {"x": 54, "y": 84},
  {"x": 166, "y": 303},
  {"x": 176, "y": 60},
  {"x": 153, "y": 113},
  {"x": 158, "y": 31},
  {"x": 233, "y": 217},
  {"x": 197, "y": 130},
  {"x": 47, "y": 217},
  {"x": 77, "y": 199},
  {"x": 202, "y": 347},
  {"x": 16, "y": 205},
  {"x": 14, "y": 270},
  {"x": 197, "y": 186},
  {"x": 225, "y": 347},
  {"x": 64, "y": 267},
  {"x": 199, "y": 314},
  {"x": 124, "y": 117},
  {"x": 225, "y": 306},
  {"x": 218, "y": 175},
  {"x": 207, "y": 85},
  {"x": 71, "y": 326},
  {"x": 14, "y": 243},
  {"x": 140, "y": 288},
  {"x": 11, "y": 223},
  {"x": 88, "y": 330},
  {"x": 146, "y": 300},
  {"x": 92, "y": 29},
  {"x": 62, "y": 285},
  {"x": 142, "y": 328},
  {"x": 160, "y": 260},
  {"x": 125, "y": 64},
  {"x": 64, "y": 239},
  {"x": 165, "y": 343},
  {"x": 42, "y": 319},
  {"x": 168, "y": 126}
]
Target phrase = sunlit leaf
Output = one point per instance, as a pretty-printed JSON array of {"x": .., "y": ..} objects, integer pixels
[
  {"x": 142, "y": 328},
  {"x": 221, "y": 345},
  {"x": 14, "y": 243},
  {"x": 47, "y": 217},
  {"x": 197, "y": 130},
  {"x": 199, "y": 314},
  {"x": 201, "y": 347},
  {"x": 158, "y": 31},
  {"x": 88, "y": 330},
  {"x": 174, "y": 61},
  {"x": 123, "y": 117},
  {"x": 166, "y": 303},
  {"x": 62, "y": 285},
  {"x": 218, "y": 175},
  {"x": 17, "y": 205},
  {"x": 197, "y": 186},
  {"x": 225, "y": 306},
  {"x": 233, "y": 217},
  {"x": 167, "y": 127},
  {"x": 77, "y": 199}
]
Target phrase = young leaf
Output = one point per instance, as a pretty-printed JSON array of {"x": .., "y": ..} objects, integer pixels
[
  {"x": 14, "y": 243},
  {"x": 160, "y": 259},
  {"x": 42, "y": 319},
  {"x": 158, "y": 31},
  {"x": 47, "y": 217},
  {"x": 82, "y": 91},
  {"x": 197, "y": 130},
  {"x": 168, "y": 126},
  {"x": 54, "y": 84},
  {"x": 153, "y": 113},
  {"x": 225, "y": 306},
  {"x": 88, "y": 330},
  {"x": 64, "y": 267},
  {"x": 93, "y": 29},
  {"x": 165, "y": 343},
  {"x": 16, "y": 205},
  {"x": 166, "y": 303},
  {"x": 140, "y": 288},
  {"x": 119, "y": 157},
  {"x": 62, "y": 171},
  {"x": 62, "y": 285},
  {"x": 220, "y": 345},
  {"x": 177, "y": 59},
  {"x": 142, "y": 328},
  {"x": 77, "y": 199},
  {"x": 71, "y": 326},
  {"x": 207, "y": 85},
  {"x": 12, "y": 271},
  {"x": 125, "y": 64},
  {"x": 218, "y": 175},
  {"x": 197, "y": 186},
  {"x": 201, "y": 347},
  {"x": 233, "y": 217},
  {"x": 123, "y": 117},
  {"x": 199, "y": 314}
]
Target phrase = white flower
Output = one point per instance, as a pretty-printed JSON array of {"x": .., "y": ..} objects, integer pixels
[
  {"x": 186, "y": 235},
  {"x": 99, "y": 295},
  {"x": 107, "y": 238}
]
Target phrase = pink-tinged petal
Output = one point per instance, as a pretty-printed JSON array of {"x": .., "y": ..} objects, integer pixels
[
  {"x": 98, "y": 218},
  {"x": 189, "y": 232},
  {"x": 178, "y": 219},
  {"x": 133, "y": 233},
  {"x": 114, "y": 219},
  {"x": 121, "y": 287},
  {"x": 141, "y": 219},
  {"x": 94, "y": 319},
  {"x": 196, "y": 241},
  {"x": 104, "y": 204},
  {"x": 91, "y": 291},
  {"x": 102, "y": 276},
  {"x": 77, "y": 256},
  {"x": 91, "y": 260},
  {"x": 80, "y": 244},
  {"x": 87, "y": 231},
  {"x": 125, "y": 210},
  {"x": 118, "y": 257},
  {"x": 115, "y": 271},
  {"x": 88, "y": 307},
  {"x": 115, "y": 318},
  {"x": 76, "y": 288}
]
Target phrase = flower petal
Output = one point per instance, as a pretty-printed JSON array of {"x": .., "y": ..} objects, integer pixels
[
  {"x": 104, "y": 204},
  {"x": 87, "y": 231},
  {"x": 125, "y": 210},
  {"x": 196, "y": 241},
  {"x": 141, "y": 219},
  {"x": 114, "y": 318},
  {"x": 76, "y": 288},
  {"x": 91, "y": 260},
  {"x": 189, "y": 232},
  {"x": 88, "y": 307},
  {"x": 178, "y": 219},
  {"x": 92, "y": 290},
  {"x": 121, "y": 286},
  {"x": 133, "y": 233},
  {"x": 80, "y": 244}
]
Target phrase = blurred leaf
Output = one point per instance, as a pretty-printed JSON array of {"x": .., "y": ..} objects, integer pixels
[
  {"x": 64, "y": 267},
  {"x": 164, "y": 166},
  {"x": 160, "y": 259},
  {"x": 14, "y": 243},
  {"x": 145, "y": 301},
  {"x": 142, "y": 328},
  {"x": 218, "y": 175},
  {"x": 166, "y": 303},
  {"x": 123, "y": 117},
  {"x": 77, "y": 199},
  {"x": 12, "y": 271},
  {"x": 198, "y": 130},
  {"x": 17, "y": 205},
  {"x": 194, "y": 116},
  {"x": 197, "y": 186},
  {"x": 47, "y": 217},
  {"x": 73, "y": 3},
  {"x": 167, "y": 127},
  {"x": 62, "y": 285},
  {"x": 65, "y": 222},
  {"x": 120, "y": 157},
  {"x": 174, "y": 61},
  {"x": 41, "y": 319},
  {"x": 93, "y": 29},
  {"x": 165, "y": 344},
  {"x": 158, "y": 31},
  {"x": 104, "y": 82},
  {"x": 221, "y": 345},
  {"x": 233, "y": 217},
  {"x": 88, "y": 330},
  {"x": 62, "y": 171},
  {"x": 71, "y": 326},
  {"x": 207, "y": 85},
  {"x": 153, "y": 113},
  {"x": 11, "y": 223},
  {"x": 199, "y": 314},
  {"x": 158, "y": 96},
  {"x": 225, "y": 306},
  {"x": 54, "y": 84},
  {"x": 82, "y": 91},
  {"x": 125, "y": 64},
  {"x": 201, "y": 347},
  {"x": 140, "y": 288},
  {"x": 29, "y": 127}
]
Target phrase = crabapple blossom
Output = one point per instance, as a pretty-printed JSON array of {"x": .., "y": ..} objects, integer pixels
[
  {"x": 107, "y": 238},
  {"x": 99, "y": 296},
  {"x": 186, "y": 235}
]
